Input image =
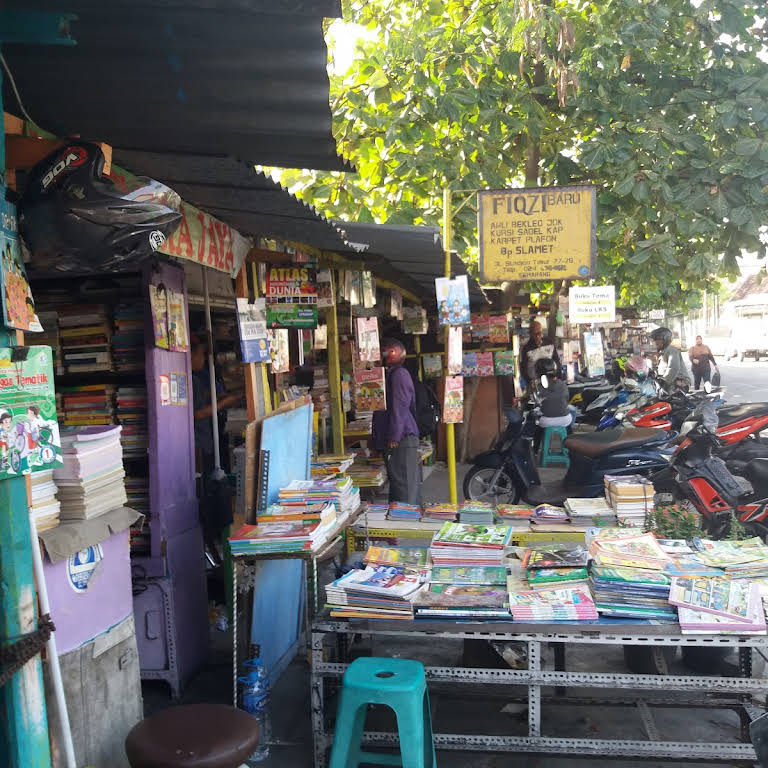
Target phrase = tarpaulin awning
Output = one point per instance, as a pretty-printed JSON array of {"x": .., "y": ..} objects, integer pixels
[
  {"x": 413, "y": 254},
  {"x": 243, "y": 79}
]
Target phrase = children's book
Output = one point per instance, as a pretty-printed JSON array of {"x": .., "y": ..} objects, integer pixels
[
  {"x": 477, "y": 575},
  {"x": 481, "y": 328},
  {"x": 469, "y": 365},
  {"x": 484, "y": 363},
  {"x": 504, "y": 363},
  {"x": 414, "y": 320},
  {"x": 455, "y": 357},
  {"x": 367, "y": 331},
  {"x": 492, "y": 536},
  {"x": 734, "y": 599},
  {"x": 370, "y": 390},
  {"x": 453, "y": 400},
  {"x": 406, "y": 557},
  {"x": 498, "y": 332},
  {"x": 452, "y": 300},
  {"x": 433, "y": 366}
]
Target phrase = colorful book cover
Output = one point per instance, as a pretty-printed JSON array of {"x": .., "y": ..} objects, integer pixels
[
  {"x": 498, "y": 329},
  {"x": 735, "y": 599},
  {"x": 158, "y": 302},
  {"x": 631, "y": 575},
  {"x": 722, "y": 554},
  {"x": 453, "y": 400},
  {"x": 433, "y": 366},
  {"x": 407, "y": 557},
  {"x": 252, "y": 323},
  {"x": 279, "y": 350},
  {"x": 455, "y": 356},
  {"x": 367, "y": 335},
  {"x": 478, "y": 575},
  {"x": 459, "y": 595},
  {"x": 452, "y": 300},
  {"x": 469, "y": 365},
  {"x": 291, "y": 294},
  {"x": 556, "y": 575},
  {"x": 493, "y": 536},
  {"x": 481, "y": 328},
  {"x": 346, "y": 396},
  {"x": 178, "y": 337},
  {"x": 415, "y": 320},
  {"x": 324, "y": 288},
  {"x": 15, "y": 294},
  {"x": 555, "y": 558},
  {"x": 484, "y": 362},
  {"x": 370, "y": 390},
  {"x": 504, "y": 363}
]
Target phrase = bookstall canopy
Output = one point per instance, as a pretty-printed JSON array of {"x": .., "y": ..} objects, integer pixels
[
  {"x": 409, "y": 256},
  {"x": 236, "y": 193},
  {"x": 245, "y": 78}
]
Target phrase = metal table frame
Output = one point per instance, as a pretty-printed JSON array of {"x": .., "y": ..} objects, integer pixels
[{"x": 735, "y": 693}]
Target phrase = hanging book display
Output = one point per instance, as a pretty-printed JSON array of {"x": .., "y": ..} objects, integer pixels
[
  {"x": 433, "y": 366},
  {"x": 368, "y": 288},
  {"x": 455, "y": 359},
  {"x": 158, "y": 302},
  {"x": 453, "y": 400},
  {"x": 370, "y": 390},
  {"x": 498, "y": 329},
  {"x": 18, "y": 306},
  {"x": 355, "y": 289},
  {"x": 396, "y": 305},
  {"x": 169, "y": 319},
  {"x": 484, "y": 362},
  {"x": 481, "y": 328},
  {"x": 504, "y": 363},
  {"x": 452, "y": 300},
  {"x": 325, "y": 288},
  {"x": 291, "y": 294},
  {"x": 469, "y": 364},
  {"x": 367, "y": 335},
  {"x": 415, "y": 320},
  {"x": 252, "y": 323},
  {"x": 279, "y": 350},
  {"x": 29, "y": 432}
]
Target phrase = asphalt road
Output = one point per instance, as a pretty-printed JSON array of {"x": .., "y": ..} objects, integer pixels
[{"x": 745, "y": 382}]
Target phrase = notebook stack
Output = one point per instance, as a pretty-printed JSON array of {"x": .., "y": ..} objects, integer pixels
[
  {"x": 331, "y": 465},
  {"x": 555, "y": 568},
  {"x": 368, "y": 473},
  {"x": 746, "y": 559},
  {"x": 90, "y": 482},
  {"x": 376, "y": 591},
  {"x": 342, "y": 493},
  {"x": 440, "y": 512},
  {"x": 400, "y": 511},
  {"x": 476, "y": 513},
  {"x": 85, "y": 332},
  {"x": 567, "y": 604},
  {"x": 88, "y": 405},
  {"x": 276, "y": 537},
  {"x": 376, "y": 513},
  {"x": 321, "y": 512},
  {"x": 49, "y": 319},
  {"x": 630, "y": 497},
  {"x": 45, "y": 507},
  {"x": 632, "y": 593},
  {"x": 464, "y": 593},
  {"x": 516, "y": 516},
  {"x": 132, "y": 415},
  {"x": 458, "y": 544},
  {"x": 128, "y": 337},
  {"x": 584, "y": 513}
]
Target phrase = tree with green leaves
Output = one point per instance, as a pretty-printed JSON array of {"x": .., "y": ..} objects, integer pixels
[{"x": 662, "y": 104}]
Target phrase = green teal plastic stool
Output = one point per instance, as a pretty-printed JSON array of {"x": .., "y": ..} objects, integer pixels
[
  {"x": 554, "y": 457},
  {"x": 399, "y": 684}
]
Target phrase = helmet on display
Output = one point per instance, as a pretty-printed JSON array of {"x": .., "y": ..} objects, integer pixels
[
  {"x": 663, "y": 334},
  {"x": 546, "y": 367},
  {"x": 392, "y": 352},
  {"x": 72, "y": 217}
]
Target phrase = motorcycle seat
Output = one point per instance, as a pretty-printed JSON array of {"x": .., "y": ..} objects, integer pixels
[
  {"x": 732, "y": 413},
  {"x": 594, "y": 444},
  {"x": 756, "y": 471}
]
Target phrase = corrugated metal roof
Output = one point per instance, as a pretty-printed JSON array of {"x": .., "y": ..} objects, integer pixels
[
  {"x": 412, "y": 252},
  {"x": 246, "y": 199},
  {"x": 202, "y": 78}
]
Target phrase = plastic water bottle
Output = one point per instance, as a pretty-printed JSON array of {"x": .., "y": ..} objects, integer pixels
[{"x": 255, "y": 694}]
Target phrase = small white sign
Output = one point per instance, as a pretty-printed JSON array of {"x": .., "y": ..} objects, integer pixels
[
  {"x": 588, "y": 304},
  {"x": 657, "y": 314}
]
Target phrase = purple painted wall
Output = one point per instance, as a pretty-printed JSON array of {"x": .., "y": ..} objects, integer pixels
[{"x": 107, "y": 600}]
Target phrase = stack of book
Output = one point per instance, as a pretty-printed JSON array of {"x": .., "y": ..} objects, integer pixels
[
  {"x": 633, "y": 593},
  {"x": 376, "y": 513},
  {"x": 132, "y": 416},
  {"x": 458, "y": 544},
  {"x": 555, "y": 568},
  {"x": 517, "y": 516},
  {"x": 278, "y": 537},
  {"x": 377, "y": 591},
  {"x": 342, "y": 493},
  {"x": 547, "y": 513},
  {"x": 90, "y": 482},
  {"x": 440, "y": 512},
  {"x": 331, "y": 465},
  {"x": 476, "y": 592},
  {"x": 746, "y": 559},
  {"x": 588, "y": 512},
  {"x": 137, "y": 490},
  {"x": 476, "y": 513},
  {"x": 367, "y": 473},
  {"x": 630, "y": 497},
  {"x": 45, "y": 507},
  {"x": 567, "y": 604},
  {"x": 404, "y": 557},
  {"x": 49, "y": 319},
  {"x": 399, "y": 511},
  {"x": 641, "y": 550},
  {"x": 128, "y": 337},
  {"x": 88, "y": 405},
  {"x": 85, "y": 332},
  {"x": 320, "y": 512}
]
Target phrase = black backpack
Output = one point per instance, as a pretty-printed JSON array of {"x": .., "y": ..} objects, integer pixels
[{"x": 428, "y": 412}]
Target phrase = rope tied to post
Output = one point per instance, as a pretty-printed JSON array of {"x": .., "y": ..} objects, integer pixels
[{"x": 16, "y": 654}]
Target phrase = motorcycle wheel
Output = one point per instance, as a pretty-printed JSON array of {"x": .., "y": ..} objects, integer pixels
[{"x": 477, "y": 486}]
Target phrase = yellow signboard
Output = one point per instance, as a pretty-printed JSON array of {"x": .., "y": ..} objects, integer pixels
[{"x": 537, "y": 233}]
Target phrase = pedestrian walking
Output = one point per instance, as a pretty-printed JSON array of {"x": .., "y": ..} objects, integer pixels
[{"x": 701, "y": 356}]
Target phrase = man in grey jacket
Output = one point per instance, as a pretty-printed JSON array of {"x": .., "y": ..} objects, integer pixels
[{"x": 671, "y": 369}]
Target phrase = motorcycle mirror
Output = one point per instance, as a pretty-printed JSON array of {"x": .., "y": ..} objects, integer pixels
[
  {"x": 708, "y": 387},
  {"x": 544, "y": 382}
]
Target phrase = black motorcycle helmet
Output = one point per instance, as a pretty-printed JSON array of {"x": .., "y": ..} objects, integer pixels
[
  {"x": 72, "y": 217},
  {"x": 546, "y": 367},
  {"x": 664, "y": 335}
]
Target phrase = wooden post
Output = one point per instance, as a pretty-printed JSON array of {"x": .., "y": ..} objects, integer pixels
[{"x": 334, "y": 379}]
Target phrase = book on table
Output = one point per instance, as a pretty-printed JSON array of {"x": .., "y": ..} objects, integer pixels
[
  {"x": 733, "y": 599},
  {"x": 471, "y": 575},
  {"x": 566, "y": 604},
  {"x": 577, "y": 557}
]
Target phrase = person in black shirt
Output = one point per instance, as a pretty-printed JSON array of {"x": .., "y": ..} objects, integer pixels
[{"x": 538, "y": 347}]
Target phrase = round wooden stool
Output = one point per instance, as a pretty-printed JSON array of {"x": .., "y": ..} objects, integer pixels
[{"x": 193, "y": 736}]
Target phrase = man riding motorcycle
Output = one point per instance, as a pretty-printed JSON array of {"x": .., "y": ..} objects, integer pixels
[{"x": 671, "y": 370}]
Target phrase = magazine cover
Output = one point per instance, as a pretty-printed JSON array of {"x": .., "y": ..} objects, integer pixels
[
  {"x": 367, "y": 334},
  {"x": 452, "y": 300},
  {"x": 453, "y": 400},
  {"x": 493, "y": 536},
  {"x": 415, "y": 320},
  {"x": 455, "y": 355},
  {"x": 481, "y": 328},
  {"x": 593, "y": 348},
  {"x": 158, "y": 302},
  {"x": 291, "y": 294},
  {"x": 477, "y": 574},
  {"x": 406, "y": 557},
  {"x": 504, "y": 363},
  {"x": 555, "y": 558},
  {"x": 484, "y": 362},
  {"x": 469, "y": 365},
  {"x": 458, "y": 595},
  {"x": 498, "y": 332},
  {"x": 15, "y": 293},
  {"x": 346, "y": 396},
  {"x": 370, "y": 390},
  {"x": 178, "y": 337},
  {"x": 724, "y": 597},
  {"x": 29, "y": 432},
  {"x": 433, "y": 366},
  {"x": 325, "y": 288},
  {"x": 252, "y": 324}
]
